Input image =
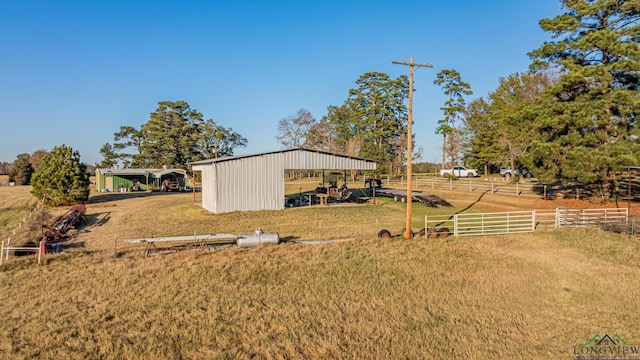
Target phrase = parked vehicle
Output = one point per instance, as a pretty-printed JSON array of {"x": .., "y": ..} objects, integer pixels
[
  {"x": 506, "y": 172},
  {"x": 459, "y": 171},
  {"x": 369, "y": 183},
  {"x": 170, "y": 184},
  {"x": 174, "y": 184}
]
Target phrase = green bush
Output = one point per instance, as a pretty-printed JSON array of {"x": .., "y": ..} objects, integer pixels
[{"x": 61, "y": 179}]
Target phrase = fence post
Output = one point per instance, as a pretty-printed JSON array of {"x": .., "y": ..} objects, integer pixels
[
  {"x": 517, "y": 190},
  {"x": 41, "y": 250},
  {"x": 433, "y": 182},
  {"x": 545, "y": 192},
  {"x": 533, "y": 220},
  {"x": 470, "y": 189},
  {"x": 8, "y": 242},
  {"x": 450, "y": 183},
  {"x": 493, "y": 192},
  {"x": 455, "y": 224}
]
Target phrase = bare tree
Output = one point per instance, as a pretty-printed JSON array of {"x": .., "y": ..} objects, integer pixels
[
  {"x": 455, "y": 147},
  {"x": 294, "y": 130},
  {"x": 322, "y": 136},
  {"x": 36, "y": 158}
]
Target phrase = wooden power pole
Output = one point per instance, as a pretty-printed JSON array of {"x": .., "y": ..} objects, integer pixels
[{"x": 407, "y": 229}]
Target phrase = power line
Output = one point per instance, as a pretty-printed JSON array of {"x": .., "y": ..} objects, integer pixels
[{"x": 407, "y": 233}]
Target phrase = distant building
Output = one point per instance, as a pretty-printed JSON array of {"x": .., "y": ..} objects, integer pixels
[{"x": 114, "y": 179}]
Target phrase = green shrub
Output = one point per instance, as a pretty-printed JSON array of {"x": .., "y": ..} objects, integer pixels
[{"x": 61, "y": 179}]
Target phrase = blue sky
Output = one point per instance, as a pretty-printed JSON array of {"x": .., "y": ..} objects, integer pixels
[{"x": 73, "y": 72}]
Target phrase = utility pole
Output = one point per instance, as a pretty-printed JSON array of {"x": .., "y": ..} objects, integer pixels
[{"x": 407, "y": 229}]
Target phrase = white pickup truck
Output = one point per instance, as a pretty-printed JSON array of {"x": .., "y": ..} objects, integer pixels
[{"x": 459, "y": 171}]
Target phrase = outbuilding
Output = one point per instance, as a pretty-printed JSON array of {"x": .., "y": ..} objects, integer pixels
[
  {"x": 115, "y": 179},
  {"x": 256, "y": 182}
]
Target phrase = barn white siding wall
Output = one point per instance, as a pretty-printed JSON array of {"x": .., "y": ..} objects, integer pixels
[
  {"x": 208, "y": 190},
  {"x": 252, "y": 183}
]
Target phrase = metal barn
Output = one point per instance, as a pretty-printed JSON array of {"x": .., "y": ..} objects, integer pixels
[
  {"x": 114, "y": 179},
  {"x": 256, "y": 182}
]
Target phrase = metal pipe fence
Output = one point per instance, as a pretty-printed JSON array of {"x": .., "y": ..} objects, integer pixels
[
  {"x": 525, "y": 187},
  {"x": 606, "y": 217},
  {"x": 494, "y": 223},
  {"x": 493, "y": 185},
  {"x": 499, "y": 223}
]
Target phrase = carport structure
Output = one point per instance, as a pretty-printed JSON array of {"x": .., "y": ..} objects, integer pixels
[
  {"x": 112, "y": 179},
  {"x": 256, "y": 182}
]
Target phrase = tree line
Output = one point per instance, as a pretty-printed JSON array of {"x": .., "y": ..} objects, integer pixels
[
  {"x": 174, "y": 136},
  {"x": 572, "y": 117},
  {"x": 57, "y": 176}
]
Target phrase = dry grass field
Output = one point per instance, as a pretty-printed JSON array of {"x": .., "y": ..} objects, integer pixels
[{"x": 532, "y": 296}]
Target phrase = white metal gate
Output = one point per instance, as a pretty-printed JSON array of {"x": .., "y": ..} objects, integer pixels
[
  {"x": 605, "y": 217},
  {"x": 494, "y": 223},
  {"x": 475, "y": 224}
]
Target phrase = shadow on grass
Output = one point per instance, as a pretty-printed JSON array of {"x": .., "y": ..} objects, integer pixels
[
  {"x": 116, "y": 196},
  {"x": 75, "y": 245},
  {"x": 287, "y": 239},
  {"x": 97, "y": 219},
  {"x": 470, "y": 205},
  {"x": 463, "y": 210}
]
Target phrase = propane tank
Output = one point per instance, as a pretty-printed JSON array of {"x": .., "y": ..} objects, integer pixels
[{"x": 258, "y": 237}]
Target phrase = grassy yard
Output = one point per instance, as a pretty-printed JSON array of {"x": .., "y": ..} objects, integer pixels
[{"x": 533, "y": 296}]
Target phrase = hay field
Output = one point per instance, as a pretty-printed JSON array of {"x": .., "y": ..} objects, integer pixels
[{"x": 533, "y": 296}]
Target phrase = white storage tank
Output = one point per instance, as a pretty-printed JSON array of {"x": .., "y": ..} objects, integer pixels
[{"x": 258, "y": 237}]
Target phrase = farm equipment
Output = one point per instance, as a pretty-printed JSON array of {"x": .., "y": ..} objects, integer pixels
[
  {"x": 430, "y": 232},
  {"x": 58, "y": 230},
  {"x": 203, "y": 241},
  {"x": 53, "y": 235}
]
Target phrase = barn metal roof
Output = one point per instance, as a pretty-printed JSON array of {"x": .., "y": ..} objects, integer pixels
[
  {"x": 156, "y": 172},
  {"x": 113, "y": 171},
  {"x": 237, "y": 157},
  {"x": 168, "y": 171}
]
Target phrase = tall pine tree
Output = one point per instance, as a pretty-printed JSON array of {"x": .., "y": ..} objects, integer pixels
[
  {"x": 373, "y": 120},
  {"x": 589, "y": 119},
  {"x": 62, "y": 179},
  {"x": 453, "y": 86}
]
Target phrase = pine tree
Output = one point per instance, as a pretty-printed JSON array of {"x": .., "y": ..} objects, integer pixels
[
  {"x": 373, "y": 119},
  {"x": 453, "y": 86},
  {"x": 589, "y": 120},
  {"x": 62, "y": 179},
  {"x": 174, "y": 136}
]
